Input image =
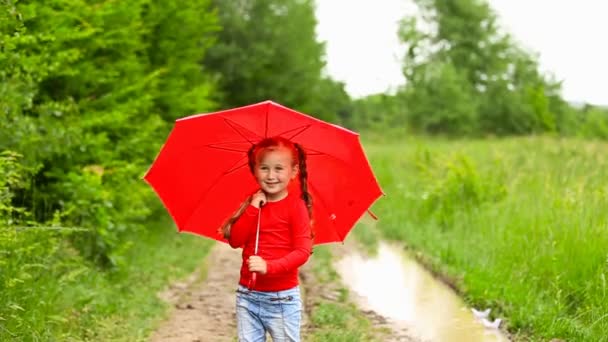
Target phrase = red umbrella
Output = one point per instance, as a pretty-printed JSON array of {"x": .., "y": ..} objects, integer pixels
[{"x": 201, "y": 173}]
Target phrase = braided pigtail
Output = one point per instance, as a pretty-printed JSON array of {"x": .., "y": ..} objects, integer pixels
[
  {"x": 303, "y": 174},
  {"x": 225, "y": 228},
  {"x": 251, "y": 158}
]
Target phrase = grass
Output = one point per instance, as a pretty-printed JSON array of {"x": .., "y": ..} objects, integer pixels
[
  {"x": 163, "y": 258},
  {"x": 521, "y": 224},
  {"x": 78, "y": 302}
]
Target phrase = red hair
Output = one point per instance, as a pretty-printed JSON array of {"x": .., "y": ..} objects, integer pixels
[{"x": 298, "y": 157}]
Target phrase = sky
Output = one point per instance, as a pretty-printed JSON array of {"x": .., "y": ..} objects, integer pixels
[{"x": 568, "y": 36}]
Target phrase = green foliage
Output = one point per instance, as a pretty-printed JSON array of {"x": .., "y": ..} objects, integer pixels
[
  {"x": 93, "y": 201},
  {"x": 594, "y": 123},
  {"x": 180, "y": 34},
  {"x": 85, "y": 88},
  {"x": 378, "y": 113},
  {"x": 338, "y": 322},
  {"x": 25, "y": 254},
  {"x": 12, "y": 179},
  {"x": 50, "y": 293},
  {"x": 465, "y": 76},
  {"x": 267, "y": 50},
  {"x": 527, "y": 228},
  {"x": 84, "y": 83},
  {"x": 330, "y": 102},
  {"x": 440, "y": 100},
  {"x": 454, "y": 184}
]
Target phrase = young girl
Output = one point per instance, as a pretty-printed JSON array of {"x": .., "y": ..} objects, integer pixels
[{"x": 269, "y": 299}]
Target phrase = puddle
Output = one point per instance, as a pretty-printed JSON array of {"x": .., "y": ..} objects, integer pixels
[{"x": 398, "y": 288}]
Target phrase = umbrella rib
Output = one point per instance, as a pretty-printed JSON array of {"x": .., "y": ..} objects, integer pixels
[
  {"x": 230, "y": 170},
  {"x": 232, "y": 125},
  {"x": 226, "y": 142},
  {"x": 301, "y": 130},
  {"x": 319, "y": 153},
  {"x": 266, "y": 129},
  {"x": 224, "y": 148},
  {"x": 234, "y": 169}
]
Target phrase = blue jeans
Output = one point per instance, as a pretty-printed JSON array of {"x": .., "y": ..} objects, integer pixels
[{"x": 278, "y": 313}]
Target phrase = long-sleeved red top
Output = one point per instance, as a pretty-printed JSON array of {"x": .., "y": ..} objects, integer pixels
[{"x": 285, "y": 242}]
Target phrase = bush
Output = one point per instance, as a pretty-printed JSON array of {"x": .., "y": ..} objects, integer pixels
[
  {"x": 83, "y": 84},
  {"x": 454, "y": 184}
]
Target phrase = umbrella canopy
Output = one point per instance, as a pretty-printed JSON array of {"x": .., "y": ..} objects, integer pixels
[{"x": 201, "y": 173}]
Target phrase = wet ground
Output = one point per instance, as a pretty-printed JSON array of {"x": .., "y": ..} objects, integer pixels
[
  {"x": 204, "y": 311},
  {"x": 392, "y": 290},
  {"x": 398, "y": 288}
]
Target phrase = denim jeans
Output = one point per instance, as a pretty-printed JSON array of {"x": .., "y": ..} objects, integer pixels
[{"x": 278, "y": 313}]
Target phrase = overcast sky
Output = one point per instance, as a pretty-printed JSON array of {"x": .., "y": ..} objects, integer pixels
[{"x": 569, "y": 36}]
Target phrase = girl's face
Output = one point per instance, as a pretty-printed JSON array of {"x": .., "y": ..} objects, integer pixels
[{"x": 273, "y": 171}]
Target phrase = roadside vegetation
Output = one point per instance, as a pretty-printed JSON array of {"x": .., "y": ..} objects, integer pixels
[{"x": 517, "y": 224}]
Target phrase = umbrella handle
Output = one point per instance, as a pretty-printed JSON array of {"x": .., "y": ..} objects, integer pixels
[
  {"x": 254, "y": 275},
  {"x": 252, "y": 280}
]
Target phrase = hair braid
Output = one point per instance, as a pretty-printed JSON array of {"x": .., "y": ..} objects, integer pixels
[
  {"x": 303, "y": 173},
  {"x": 251, "y": 158}
]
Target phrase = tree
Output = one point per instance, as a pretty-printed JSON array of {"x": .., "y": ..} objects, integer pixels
[
  {"x": 442, "y": 102},
  {"x": 510, "y": 95},
  {"x": 267, "y": 49},
  {"x": 178, "y": 37},
  {"x": 83, "y": 84}
]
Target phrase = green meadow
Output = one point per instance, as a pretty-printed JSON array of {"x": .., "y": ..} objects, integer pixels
[{"x": 515, "y": 224}]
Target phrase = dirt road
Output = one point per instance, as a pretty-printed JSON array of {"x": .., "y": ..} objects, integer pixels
[{"x": 204, "y": 311}]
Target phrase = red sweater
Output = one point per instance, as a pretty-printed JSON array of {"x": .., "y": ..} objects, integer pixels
[{"x": 285, "y": 242}]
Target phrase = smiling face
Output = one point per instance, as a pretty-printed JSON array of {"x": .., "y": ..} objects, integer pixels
[{"x": 273, "y": 170}]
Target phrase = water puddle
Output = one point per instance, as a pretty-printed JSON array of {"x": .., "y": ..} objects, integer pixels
[{"x": 398, "y": 288}]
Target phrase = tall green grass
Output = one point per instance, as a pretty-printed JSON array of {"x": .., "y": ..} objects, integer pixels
[
  {"x": 519, "y": 225},
  {"x": 60, "y": 296}
]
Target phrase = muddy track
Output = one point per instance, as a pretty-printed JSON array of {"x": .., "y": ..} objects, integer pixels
[{"x": 204, "y": 311}]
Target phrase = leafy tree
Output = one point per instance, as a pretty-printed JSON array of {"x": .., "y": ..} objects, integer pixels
[
  {"x": 267, "y": 49},
  {"x": 179, "y": 33},
  {"x": 83, "y": 84},
  {"x": 332, "y": 103},
  {"x": 593, "y": 122},
  {"x": 378, "y": 112},
  {"x": 442, "y": 101},
  {"x": 459, "y": 42}
]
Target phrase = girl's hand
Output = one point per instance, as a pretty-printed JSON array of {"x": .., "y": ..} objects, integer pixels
[
  {"x": 258, "y": 197},
  {"x": 257, "y": 264}
]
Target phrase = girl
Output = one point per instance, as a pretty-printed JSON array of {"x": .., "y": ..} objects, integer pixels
[{"x": 269, "y": 299}]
